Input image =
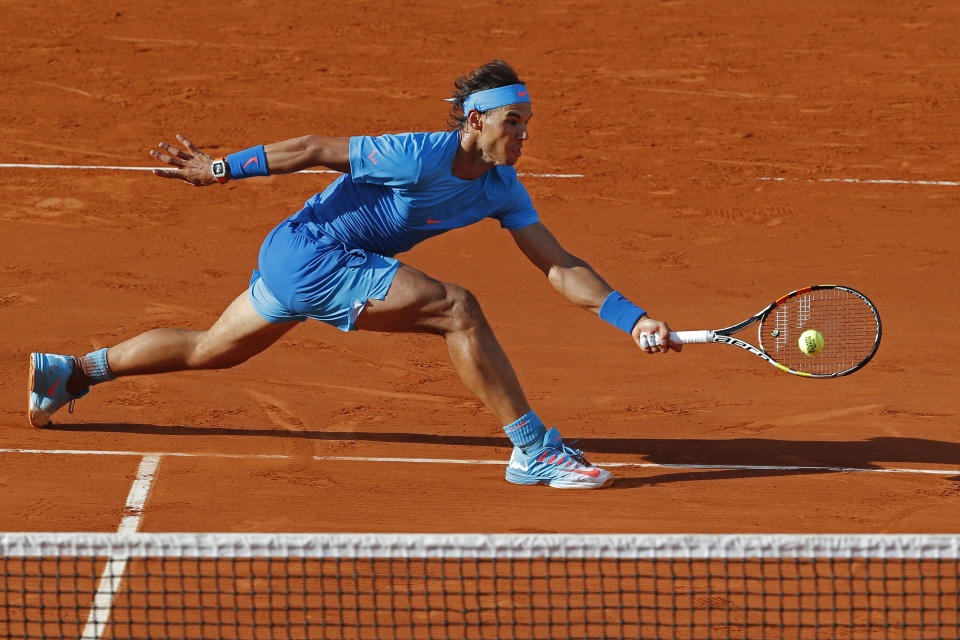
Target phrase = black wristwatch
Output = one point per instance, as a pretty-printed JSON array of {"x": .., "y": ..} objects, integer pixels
[{"x": 221, "y": 170}]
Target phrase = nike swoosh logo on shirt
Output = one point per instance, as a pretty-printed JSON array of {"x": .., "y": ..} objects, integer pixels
[{"x": 432, "y": 221}]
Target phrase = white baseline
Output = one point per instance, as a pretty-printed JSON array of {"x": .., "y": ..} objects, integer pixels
[
  {"x": 101, "y": 167},
  {"x": 398, "y": 460}
]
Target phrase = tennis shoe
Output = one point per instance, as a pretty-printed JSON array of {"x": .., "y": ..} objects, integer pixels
[
  {"x": 555, "y": 464},
  {"x": 47, "y": 383}
]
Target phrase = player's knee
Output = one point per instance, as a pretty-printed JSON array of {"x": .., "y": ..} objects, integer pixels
[{"x": 463, "y": 309}]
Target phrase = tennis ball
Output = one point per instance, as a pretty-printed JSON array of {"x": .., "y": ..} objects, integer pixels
[{"x": 810, "y": 342}]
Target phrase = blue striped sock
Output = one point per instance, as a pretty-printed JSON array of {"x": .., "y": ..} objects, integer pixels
[
  {"x": 526, "y": 430},
  {"x": 96, "y": 367}
]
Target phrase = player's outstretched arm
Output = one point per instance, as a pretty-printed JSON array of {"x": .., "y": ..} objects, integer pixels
[
  {"x": 297, "y": 154},
  {"x": 578, "y": 282},
  {"x": 200, "y": 169}
]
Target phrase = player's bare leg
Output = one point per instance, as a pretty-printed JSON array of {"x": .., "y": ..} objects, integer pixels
[
  {"x": 237, "y": 335},
  {"x": 417, "y": 302}
]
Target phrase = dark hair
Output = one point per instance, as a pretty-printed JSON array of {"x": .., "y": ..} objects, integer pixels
[{"x": 495, "y": 73}]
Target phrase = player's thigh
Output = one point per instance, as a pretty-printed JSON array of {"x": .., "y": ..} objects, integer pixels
[
  {"x": 417, "y": 302},
  {"x": 241, "y": 332}
]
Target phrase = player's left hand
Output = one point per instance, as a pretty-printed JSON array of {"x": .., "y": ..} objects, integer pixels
[
  {"x": 192, "y": 165},
  {"x": 653, "y": 336}
]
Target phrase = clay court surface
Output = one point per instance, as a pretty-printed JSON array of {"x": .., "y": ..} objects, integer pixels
[{"x": 727, "y": 153}]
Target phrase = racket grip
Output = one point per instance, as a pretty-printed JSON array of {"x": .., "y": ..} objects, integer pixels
[{"x": 691, "y": 337}]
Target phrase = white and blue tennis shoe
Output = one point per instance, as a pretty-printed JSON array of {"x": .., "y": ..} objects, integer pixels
[
  {"x": 555, "y": 464},
  {"x": 49, "y": 374}
]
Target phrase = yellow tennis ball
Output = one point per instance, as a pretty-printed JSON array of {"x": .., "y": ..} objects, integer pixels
[{"x": 811, "y": 342}]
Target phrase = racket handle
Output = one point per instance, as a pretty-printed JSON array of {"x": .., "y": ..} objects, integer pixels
[{"x": 689, "y": 337}]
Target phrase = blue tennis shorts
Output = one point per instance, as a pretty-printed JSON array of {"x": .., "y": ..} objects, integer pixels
[{"x": 304, "y": 274}]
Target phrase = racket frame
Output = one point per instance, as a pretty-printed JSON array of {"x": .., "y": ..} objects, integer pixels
[{"x": 724, "y": 336}]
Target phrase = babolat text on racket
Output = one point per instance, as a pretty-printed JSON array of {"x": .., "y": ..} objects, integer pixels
[{"x": 823, "y": 331}]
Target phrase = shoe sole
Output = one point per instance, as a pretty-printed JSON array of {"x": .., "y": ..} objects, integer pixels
[
  {"x": 560, "y": 484},
  {"x": 37, "y": 418}
]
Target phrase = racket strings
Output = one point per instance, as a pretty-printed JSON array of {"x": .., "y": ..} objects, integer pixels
[{"x": 846, "y": 320}]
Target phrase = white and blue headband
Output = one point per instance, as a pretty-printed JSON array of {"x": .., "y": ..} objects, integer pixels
[{"x": 493, "y": 98}]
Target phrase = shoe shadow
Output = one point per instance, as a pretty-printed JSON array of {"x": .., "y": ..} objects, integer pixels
[
  {"x": 798, "y": 457},
  {"x": 709, "y": 475}
]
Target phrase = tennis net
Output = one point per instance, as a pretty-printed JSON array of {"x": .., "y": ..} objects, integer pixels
[{"x": 91, "y": 586}]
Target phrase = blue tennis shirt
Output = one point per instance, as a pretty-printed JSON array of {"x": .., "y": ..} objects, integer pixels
[{"x": 400, "y": 191}]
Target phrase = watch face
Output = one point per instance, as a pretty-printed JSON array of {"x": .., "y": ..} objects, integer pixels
[{"x": 219, "y": 170}]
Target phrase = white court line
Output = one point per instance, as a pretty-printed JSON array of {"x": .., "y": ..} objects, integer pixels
[
  {"x": 650, "y": 465},
  {"x": 100, "y": 167},
  {"x": 137, "y": 497},
  {"x": 113, "y": 571},
  {"x": 937, "y": 183},
  {"x": 140, "y": 454}
]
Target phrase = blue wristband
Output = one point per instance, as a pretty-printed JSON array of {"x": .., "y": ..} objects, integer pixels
[
  {"x": 248, "y": 163},
  {"x": 620, "y": 312}
]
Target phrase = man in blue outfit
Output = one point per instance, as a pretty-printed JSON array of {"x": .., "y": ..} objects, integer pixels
[{"x": 333, "y": 261}]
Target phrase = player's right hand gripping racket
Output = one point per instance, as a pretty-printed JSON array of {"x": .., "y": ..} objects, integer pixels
[{"x": 848, "y": 321}]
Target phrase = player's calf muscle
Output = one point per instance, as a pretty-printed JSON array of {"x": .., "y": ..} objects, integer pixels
[
  {"x": 209, "y": 353},
  {"x": 165, "y": 350}
]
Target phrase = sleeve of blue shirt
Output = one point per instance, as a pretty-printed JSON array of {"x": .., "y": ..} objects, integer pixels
[
  {"x": 517, "y": 211},
  {"x": 390, "y": 160}
]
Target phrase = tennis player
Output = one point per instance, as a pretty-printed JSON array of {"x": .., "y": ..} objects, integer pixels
[{"x": 333, "y": 261}]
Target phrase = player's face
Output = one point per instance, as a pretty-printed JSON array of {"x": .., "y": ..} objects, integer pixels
[{"x": 504, "y": 132}]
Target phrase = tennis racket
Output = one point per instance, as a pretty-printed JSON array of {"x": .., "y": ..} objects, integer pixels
[{"x": 848, "y": 321}]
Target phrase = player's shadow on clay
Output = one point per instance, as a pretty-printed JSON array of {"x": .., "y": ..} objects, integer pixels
[{"x": 691, "y": 459}]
